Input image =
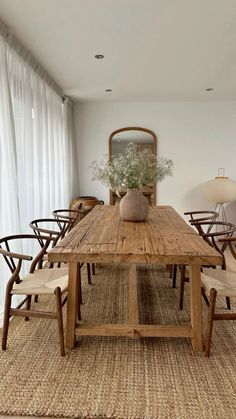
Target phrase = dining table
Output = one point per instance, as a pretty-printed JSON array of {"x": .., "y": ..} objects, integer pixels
[{"x": 102, "y": 237}]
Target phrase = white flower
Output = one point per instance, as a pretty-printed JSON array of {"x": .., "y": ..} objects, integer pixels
[{"x": 131, "y": 169}]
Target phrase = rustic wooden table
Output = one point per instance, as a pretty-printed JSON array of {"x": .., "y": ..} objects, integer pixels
[{"x": 165, "y": 238}]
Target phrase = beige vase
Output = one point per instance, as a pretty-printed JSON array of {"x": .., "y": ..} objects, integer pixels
[{"x": 133, "y": 206}]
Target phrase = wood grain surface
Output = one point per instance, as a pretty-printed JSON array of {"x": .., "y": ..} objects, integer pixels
[{"x": 164, "y": 238}]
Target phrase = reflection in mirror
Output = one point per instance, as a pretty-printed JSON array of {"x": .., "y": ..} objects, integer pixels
[
  {"x": 122, "y": 139},
  {"x": 144, "y": 138}
]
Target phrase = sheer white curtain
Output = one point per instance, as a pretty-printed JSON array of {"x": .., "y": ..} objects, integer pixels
[
  {"x": 38, "y": 168},
  {"x": 9, "y": 209},
  {"x": 71, "y": 180}
]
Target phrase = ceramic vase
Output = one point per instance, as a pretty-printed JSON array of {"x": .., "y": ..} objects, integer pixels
[
  {"x": 133, "y": 206},
  {"x": 85, "y": 203}
]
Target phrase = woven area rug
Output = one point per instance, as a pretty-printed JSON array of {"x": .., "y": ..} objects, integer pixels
[{"x": 119, "y": 377}]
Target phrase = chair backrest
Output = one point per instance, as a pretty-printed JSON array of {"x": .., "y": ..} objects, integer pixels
[
  {"x": 231, "y": 242},
  {"x": 72, "y": 216},
  {"x": 14, "y": 260},
  {"x": 201, "y": 216},
  {"x": 40, "y": 228},
  {"x": 223, "y": 230}
]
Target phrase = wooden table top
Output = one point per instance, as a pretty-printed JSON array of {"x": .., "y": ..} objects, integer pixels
[{"x": 164, "y": 237}]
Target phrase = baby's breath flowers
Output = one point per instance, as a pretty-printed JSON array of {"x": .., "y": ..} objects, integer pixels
[{"x": 131, "y": 169}]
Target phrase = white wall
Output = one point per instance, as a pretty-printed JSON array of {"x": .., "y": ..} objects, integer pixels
[{"x": 199, "y": 137}]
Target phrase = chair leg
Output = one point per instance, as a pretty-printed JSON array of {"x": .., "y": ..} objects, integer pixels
[
  {"x": 36, "y": 298},
  {"x": 181, "y": 290},
  {"x": 80, "y": 288},
  {"x": 93, "y": 269},
  {"x": 6, "y": 320},
  {"x": 79, "y": 298},
  {"x": 174, "y": 274},
  {"x": 60, "y": 320},
  {"x": 79, "y": 312},
  {"x": 211, "y": 312},
  {"x": 89, "y": 273},
  {"x": 28, "y": 303},
  {"x": 228, "y": 303},
  {"x": 204, "y": 296}
]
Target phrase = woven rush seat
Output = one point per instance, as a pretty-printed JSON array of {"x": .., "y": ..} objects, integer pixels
[
  {"x": 43, "y": 281},
  {"x": 223, "y": 281},
  {"x": 51, "y": 281}
]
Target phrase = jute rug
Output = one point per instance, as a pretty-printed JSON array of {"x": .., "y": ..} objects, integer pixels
[{"x": 119, "y": 377}]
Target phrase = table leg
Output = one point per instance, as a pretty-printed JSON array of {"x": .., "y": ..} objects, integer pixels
[
  {"x": 72, "y": 304},
  {"x": 133, "y": 295},
  {"x": 196, "y": 306}
]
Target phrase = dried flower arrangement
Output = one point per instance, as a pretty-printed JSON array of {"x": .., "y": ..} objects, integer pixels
[{"x": 132, "y": 169}]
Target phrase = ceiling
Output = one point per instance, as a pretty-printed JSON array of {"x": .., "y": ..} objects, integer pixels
[{"x": 155, "y": 50}]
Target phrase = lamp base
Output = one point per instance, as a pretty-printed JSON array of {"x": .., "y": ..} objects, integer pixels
[{"x": 222, "y": 214}]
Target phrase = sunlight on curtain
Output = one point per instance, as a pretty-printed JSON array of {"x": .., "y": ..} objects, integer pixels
[
  {"x": 71, "y": 181},
  {"x": 9, "y": 210},
  {"x": 38, "y": 168}
]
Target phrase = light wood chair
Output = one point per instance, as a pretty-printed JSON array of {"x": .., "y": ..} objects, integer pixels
[{"x": 39, "y": 281}]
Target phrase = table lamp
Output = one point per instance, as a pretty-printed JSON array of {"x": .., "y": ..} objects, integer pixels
[{"x": 220, "y": 190}]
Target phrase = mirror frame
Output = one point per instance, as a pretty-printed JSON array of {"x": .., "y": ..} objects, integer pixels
[{"x": 154, "y": 151}]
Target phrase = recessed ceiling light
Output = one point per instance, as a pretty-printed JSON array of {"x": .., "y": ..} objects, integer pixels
[
  {"x": 99, "y": 56},
  {"x": 209, "y": 89},
  {"x": 108, "y": 90}
]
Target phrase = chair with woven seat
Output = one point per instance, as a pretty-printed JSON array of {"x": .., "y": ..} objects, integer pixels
[
  {"x": 73, "y": 217},
  {"x": 198, "y": 217},
  {"x": 222, "y": 283},
  {"x": 38, "y": 281},
  {"x": 211, "y": 237},
  {"x": 41, "y": 227}
]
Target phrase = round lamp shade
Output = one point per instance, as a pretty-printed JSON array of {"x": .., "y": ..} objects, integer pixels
[{"x": 220, "y": 190}]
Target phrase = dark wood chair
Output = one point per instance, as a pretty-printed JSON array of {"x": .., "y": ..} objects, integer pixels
[
  {"x": 215, "y": 280},
  {"x": 198, "y": 216},
  {"x": 52, "y": 281},
  {"x": 218, "y": 282},
  {"x": 211, "y": 237},
  {"x": 41, "y": 228},
  {"x": 73, "y": 217},
  {"x": 49, "y": 227},
  {"x": 202, "y": 216}
]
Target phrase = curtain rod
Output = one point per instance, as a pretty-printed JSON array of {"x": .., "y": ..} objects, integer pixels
[{"x": 26, "y": 55}]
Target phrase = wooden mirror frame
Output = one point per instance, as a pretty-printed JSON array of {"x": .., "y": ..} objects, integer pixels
[{"x": 154, "y": 151}]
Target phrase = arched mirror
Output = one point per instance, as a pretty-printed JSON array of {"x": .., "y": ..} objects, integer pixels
[{"x": 144, "y": 138}]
